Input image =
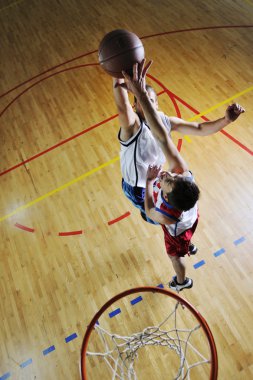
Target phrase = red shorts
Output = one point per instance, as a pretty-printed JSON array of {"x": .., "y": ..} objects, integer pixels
[{"x": 178, "y": 245}]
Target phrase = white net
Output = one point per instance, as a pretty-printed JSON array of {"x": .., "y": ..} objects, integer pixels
[{"x": 120, "y": 352}]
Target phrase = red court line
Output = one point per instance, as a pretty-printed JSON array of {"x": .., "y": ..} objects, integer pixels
[
  {"x": 170, "y": 93},
  {"x": 28, "y": 229},
  {"x": 119, "y": 218},
  {"x": 197, "y": 29},
  {"x": 179, "y": 144},
  {"x": 70, "y": 233},
  {"x": 58, "y": 144},
  {"x": 46, "y": 71},
  {"x": 144, "y": 37},
  {"x": 74, "y": 136},
  {"x": 41, "y": 80},
  {"x": 167, "y": 91}
]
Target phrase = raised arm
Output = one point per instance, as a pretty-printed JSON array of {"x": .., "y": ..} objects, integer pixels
[
  {"x": 150, "y": 209},
  {"x": 208, "y": 127},
  {"x": 137, "y": 86},
  {"x": 127, "y": 116}
]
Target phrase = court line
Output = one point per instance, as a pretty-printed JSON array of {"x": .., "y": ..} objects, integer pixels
[
  {"x": 239, "y": 241},
  {"x": 142, "y": 38},
  {"x": 111, "y": 315},
  {"x": 222, "y": 103},
  {"x": 25, "y": 228},
  {"x": 199, "y": 264},
  {"x": 219, "y": 252},
  {"x": 117, "y": 158},
  {"x": 159, "y": 34},
  {"x": 58, "y": 145},
  {"x": 41, "y": 80},
  {"x": 208, "y": 110},
  {"x": 119, "y": 218},
  {"x": 179, "y": 144},
  {"x": 171, "y": 95},
  {"x": 70, "y": 233},
  {"x": 52, "y": 192}
]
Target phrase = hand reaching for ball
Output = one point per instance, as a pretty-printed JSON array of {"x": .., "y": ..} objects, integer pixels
[
  {"x": 137, "y": 82},
  {"x": 233, "y": 112}
]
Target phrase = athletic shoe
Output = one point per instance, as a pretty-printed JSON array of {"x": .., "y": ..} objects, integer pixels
[
  {"x": 187, "y": 284},
  {"x": 192, "y": 249}
]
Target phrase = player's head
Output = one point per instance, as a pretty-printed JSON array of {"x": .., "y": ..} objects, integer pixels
[
  {"x": 179, "y": 191},
  {"x": 152, "y": 96}
]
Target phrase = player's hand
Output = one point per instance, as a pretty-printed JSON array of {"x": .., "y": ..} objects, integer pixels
[
  {"x": 233, "y": 112},
  {"x": 152, "y": 172},
  {"x": 137, "y": 83}
]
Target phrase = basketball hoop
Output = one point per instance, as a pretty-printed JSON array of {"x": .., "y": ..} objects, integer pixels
[{"x": 172, "y": 323}]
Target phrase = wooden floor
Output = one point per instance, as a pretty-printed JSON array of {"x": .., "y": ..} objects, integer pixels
[{"x": 60, "y": 258}]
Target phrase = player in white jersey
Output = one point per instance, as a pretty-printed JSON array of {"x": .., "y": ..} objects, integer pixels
[
  {"x": 171, "y": 197},
  {"x": 139, "y": 148}
]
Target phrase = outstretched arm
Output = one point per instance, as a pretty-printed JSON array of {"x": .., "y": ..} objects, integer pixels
[
  {"x": 127, "y": 116},
  {"x": 136, "y": 85},
  {"x": 150, "y": 209},
  {"x": 208, "y": 127}
]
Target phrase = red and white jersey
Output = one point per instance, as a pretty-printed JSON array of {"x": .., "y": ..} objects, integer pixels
[
  {"x": 140, "y": 151},
  {"x": 183, "y": 220}
]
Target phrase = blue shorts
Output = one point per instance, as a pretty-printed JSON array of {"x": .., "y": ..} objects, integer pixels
[{"x": 136, "y": 195}]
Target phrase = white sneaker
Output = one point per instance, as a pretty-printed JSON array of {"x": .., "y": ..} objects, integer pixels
[
  {"x": 187, "y": 284},
  {"x": 192, "y": 249}
]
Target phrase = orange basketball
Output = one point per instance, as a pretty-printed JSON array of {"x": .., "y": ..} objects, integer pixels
[{"x": 118, "y": 51}]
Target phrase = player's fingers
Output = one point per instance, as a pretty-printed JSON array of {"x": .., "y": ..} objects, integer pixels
[
  {"x": 135, "y": 71},
  {"x": 147, "y": 68},
  {"x": 141, "y": 65}
]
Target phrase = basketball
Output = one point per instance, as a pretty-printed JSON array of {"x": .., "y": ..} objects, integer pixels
[{"x": 119, "y": 50}]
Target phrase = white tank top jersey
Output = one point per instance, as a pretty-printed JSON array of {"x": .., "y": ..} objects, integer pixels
[{"x": 140, "y": 151}]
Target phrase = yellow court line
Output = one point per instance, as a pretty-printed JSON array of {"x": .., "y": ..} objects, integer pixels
[
  {"x": 187, "y": 138},
  {"x": 111, "y": 162},
  {"x": 81, "y": 177},
  {"x": 10, "y": 5},
  {"x": 217, "y": 106},
  {"x": 221, "y": 103}
]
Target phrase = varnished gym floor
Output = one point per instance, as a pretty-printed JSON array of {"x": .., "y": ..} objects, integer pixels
[{"x": 60, "y": 257}]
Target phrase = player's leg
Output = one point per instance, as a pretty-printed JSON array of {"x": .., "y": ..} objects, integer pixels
[
  {"x": 179, "y": 267},
  {"x": 177, "y": 247},
  {"x": 137, "y": 196},
  {"x": 179, "y": 282}
]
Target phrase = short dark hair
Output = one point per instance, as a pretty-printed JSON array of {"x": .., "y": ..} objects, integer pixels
[{"x": 184, "y": 194}]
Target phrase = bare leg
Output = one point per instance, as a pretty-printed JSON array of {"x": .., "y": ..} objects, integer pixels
[{"x": 179, "y": 267}]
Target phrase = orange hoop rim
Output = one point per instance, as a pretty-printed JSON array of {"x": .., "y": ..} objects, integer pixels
[{"x": 198, "y": 316}]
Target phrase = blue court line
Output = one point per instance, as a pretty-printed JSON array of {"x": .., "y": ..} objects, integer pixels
[
  {"x": 70, "y": 337},
  {"x": 239, "y": 241},
  {"x": 5, "y": 376},
  {"x": 48, "y": 350},
  {"x": 115, "y": 312},
  {"x": 136, "y": 300},
  {"x": 199, "y": 264},
  {"x": 26, "y": 363},
  {"x": 219, "y": 252}
]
